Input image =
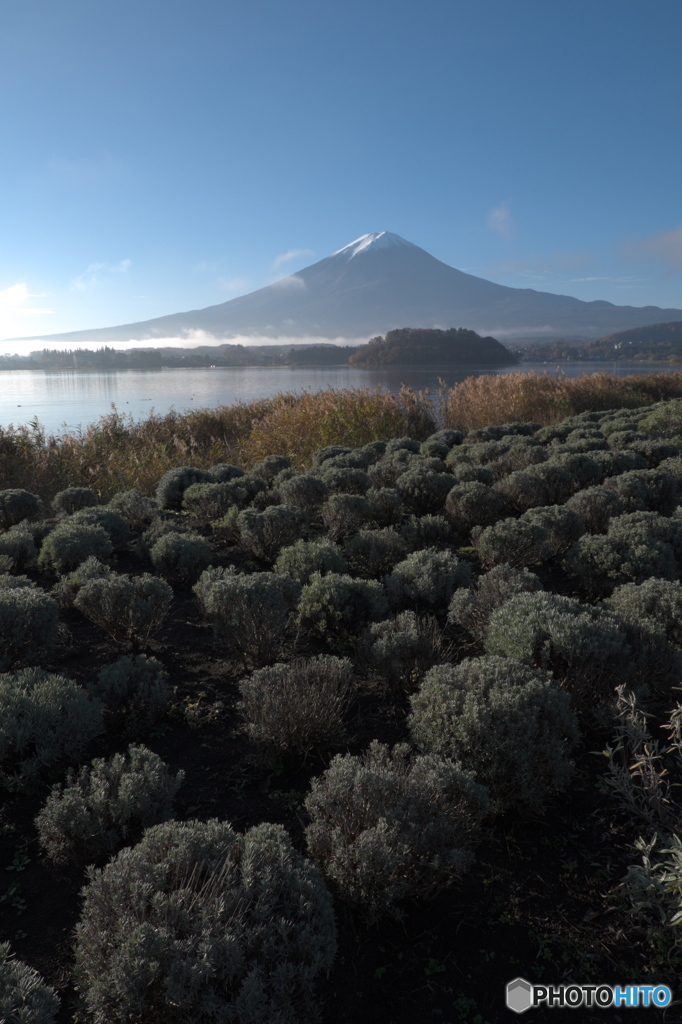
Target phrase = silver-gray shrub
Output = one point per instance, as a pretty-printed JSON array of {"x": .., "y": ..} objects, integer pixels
[
  {"x": 471, "y": 609},
  {"x": 158, "y": 529},
  {"x": 302, "y": 559},
  {"x": 645, "y": 490},
  {"x": 264, "y": 534},
  {"x": 450, "y": 438},
  {"x": 596, "y": 507},
  {"x": 388, "y": 468},
  {"x": 512, "y": 542},
  {"x": 105, "y": 806},
  {"x": 223, "y": 472},
  {"x": 304, "y": 491},
  {"x": 386, "y": 506},
  {"x": 268, "y": 468},
  {"x": 399, "y": 444},
  {"x": 212, "y": 500},
  {"x": 474, "y": 504},
  {"x": 373, "y": 553},
  {"x": 560, "y": 483},
  {"x": 562, "y": 525},
  {"x": 45, "y": 720},
  {"x": 511, "y": 726},
  {"x": 340, "y": 605},
  {"x": 466, "y": 473},
  {"x": 583, "y": 469},
  {"x": 522, "y": 490},
  {"x": 612, "y": 463},
  {"x": 390, "y": 826},
  {"x": 637, "y": 546},
  {"x": 288, "y": 709},
  {"x": 70, "y": 500},
  {"x": 434, "y": 448},
  {"x": 199, "y": 923},
  {"x": 67, "y": 587},
  {"x": 134, "y": 692},
  {"x": 426, "y": 580},
  {"x": 372, "y": 451},
  {"x": 181, "y": 557},
  {"x": 654, "y": 452},
  {"x": 421, "y": 532},
  {"x": 524, "y": 454},
  {"x": 655, "y": 603},
  {"x": 130, "y": 609},
  {"x": 175, "y": 482},
  {"x": 18, "y": 549},
  {"x": 424, "y": 491},
  {"x": 16, "y": 505},
  {"x": 71, "y": 543},
  {"x": 343, "y": 480},
  {"x": 10, "y": 582},
  {"x": 331, "y": 451},
  {"x": 136, "y": 508},
  {"x": 251, "y": 613},
  {"x": 115, "y": 524},
  {"x": 345, "y": 514},
  {"x": 25, "y": 998},
  {"x": 582, "y": 645},
  {"x": 28, "y": 626},
  {"x": 673, "y": 467},
  {"x": 400, "y": 650}
]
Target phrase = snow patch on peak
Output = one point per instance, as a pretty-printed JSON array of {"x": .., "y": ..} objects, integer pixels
[{"x": 376, "y": 240}]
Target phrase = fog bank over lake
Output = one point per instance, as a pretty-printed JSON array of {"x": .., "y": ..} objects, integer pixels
[{"x": 66, "y": 399}]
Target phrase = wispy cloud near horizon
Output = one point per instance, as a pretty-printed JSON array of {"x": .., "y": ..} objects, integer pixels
[
  {"x": 15, "y": 315},
  {"x": 291, "y": 254},
  {"x": 500, "y": 220},
  {"x": 95, "y": 272}
]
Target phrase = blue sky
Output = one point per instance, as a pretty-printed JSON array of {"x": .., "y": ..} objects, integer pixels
[{"x": 163, "y": 156}]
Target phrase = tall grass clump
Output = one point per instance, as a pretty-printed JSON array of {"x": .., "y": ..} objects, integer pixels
[
  {"x": 490, "y": 399},
  {"x": 297, "y": 425}
]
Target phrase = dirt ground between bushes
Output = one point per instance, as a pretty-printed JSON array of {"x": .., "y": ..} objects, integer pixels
[{"x": 535, "y": 904}]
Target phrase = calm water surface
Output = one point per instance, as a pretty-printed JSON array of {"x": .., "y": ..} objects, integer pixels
[{"x": 66, "y": 399}]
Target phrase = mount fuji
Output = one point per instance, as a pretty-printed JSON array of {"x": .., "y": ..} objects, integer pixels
[{"x": 375, "y": 284}]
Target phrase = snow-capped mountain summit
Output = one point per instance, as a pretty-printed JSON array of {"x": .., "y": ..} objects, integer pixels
[
  {"x": 377, "y": 240},
  {"x": 375, "y": 284}
]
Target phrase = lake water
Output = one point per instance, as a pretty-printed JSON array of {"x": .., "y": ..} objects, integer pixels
[{"x": 66, "y": 399}]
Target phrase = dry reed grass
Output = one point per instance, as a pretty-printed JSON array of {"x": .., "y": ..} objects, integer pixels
[
  {"x": 508, "y": 397},
  {"x": 117, "y": 453}
]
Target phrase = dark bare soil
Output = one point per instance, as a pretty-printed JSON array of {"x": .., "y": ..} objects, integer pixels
[{"x": 538, "y": 903}]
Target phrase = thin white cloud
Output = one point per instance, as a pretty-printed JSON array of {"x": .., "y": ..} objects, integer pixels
[
  {"x": 291, "y": 254},
  {"x": 664, "y": 247},
  {"x": 500, "y": 220},
  {"x": 96, "y": 272},
  {"x": 17, "y": 313}
]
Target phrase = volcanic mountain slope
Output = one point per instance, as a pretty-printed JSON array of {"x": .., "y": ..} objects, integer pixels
[{"x": 375, "y": 284}]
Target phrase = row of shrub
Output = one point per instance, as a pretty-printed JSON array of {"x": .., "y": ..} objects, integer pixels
[{"x": 370, "y": 552}]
